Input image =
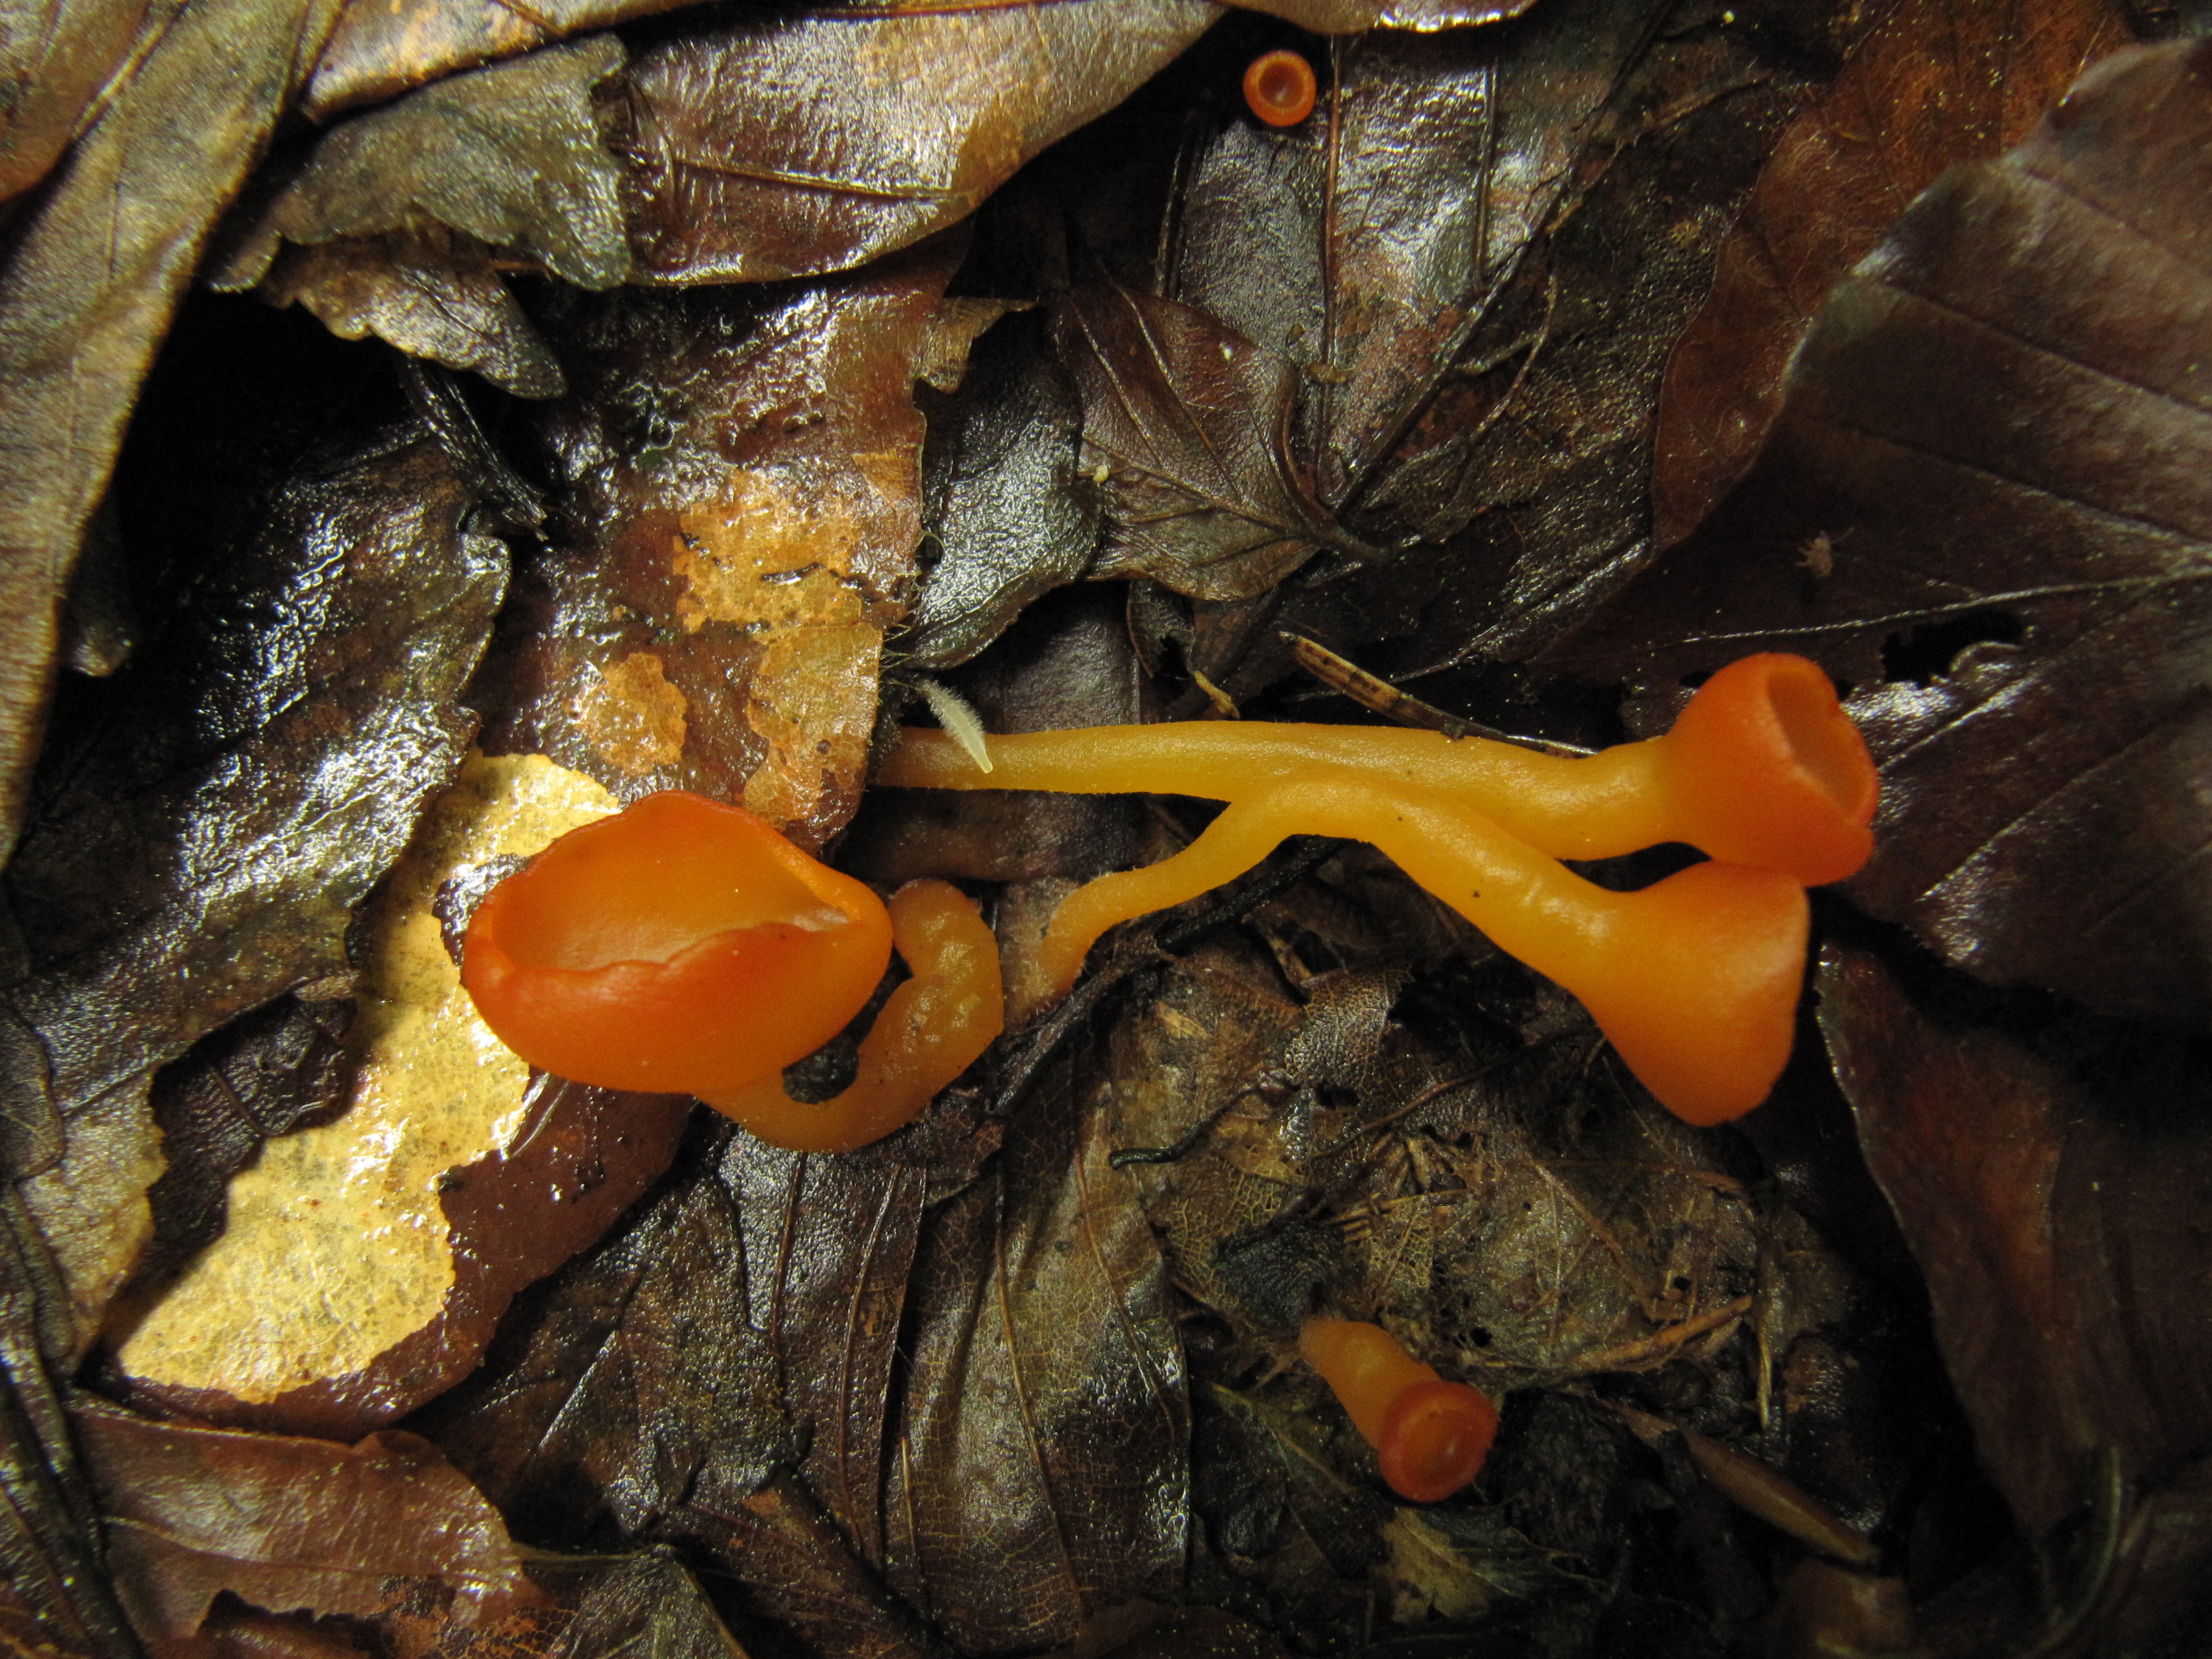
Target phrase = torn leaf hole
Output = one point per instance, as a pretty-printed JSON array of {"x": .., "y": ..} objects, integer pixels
[{"x": 1927, "y": 653}]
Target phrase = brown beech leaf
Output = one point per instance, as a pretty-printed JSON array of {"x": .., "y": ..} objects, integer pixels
[
  {"x": 93, "y": 273},
  {"x": 1185, "y": 429},
  {"x": 2050, "y": 1172},
  {"x": 207, "y": 818},
  {"x": 382, "y": 48},
  {"x": 773, "y": 148},
  {"x": 738, "y": 533},
  {"x": 1537, "y": 453},
  {"x": 650, "y": 1604},
  {"x": 431, "y": 295},
  {"x": 1353, "y": 16},
  {"x": 1932, "y": 82},
  {"x": 56, "y": 58},
  {"x": 1366, "y": 243},
  {"x": 287, "y": 1524},
  {"x": 509, "y": 156},
  {"x": 1984, "y": 509},
  {"x": 1040, "y": 1462}
]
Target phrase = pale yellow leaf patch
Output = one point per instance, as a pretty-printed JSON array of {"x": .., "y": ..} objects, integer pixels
[{"x": 337, "y": 1245}]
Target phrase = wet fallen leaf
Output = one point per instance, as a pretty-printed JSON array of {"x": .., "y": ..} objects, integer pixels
[
  {"x": 741, "y": 474},
  {"x": 1042, "y": 1465},
  {"x": 1999, "y": 423},
  {"x": 1008, "y": 519},
  {"x": 740, "y": 1325},
  {"x": 381, "y": 48},
  {"x": 57, "y": 58},
  {"x": 471, "y": 1175},
  {"x": 2049, "y": 1170},
  {"x": 511, "y": 156},
  {"x": 1551, "y": 504},
  {"x": 93, "y": 273},
  {"x": 1929, "y": 84},
  {"x": 1366, "y": 243},
  {"x": 432, "y": 295},
  {"x": 284, "y": 1523},
  {"x": 208, "y": 817},
  {"x": 651, "y": 1604},
  {"x": 875, "y": 130},
  {"x": 392, "y": 225}
]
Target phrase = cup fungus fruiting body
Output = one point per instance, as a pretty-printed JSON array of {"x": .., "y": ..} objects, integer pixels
[
  {"x": 1693, "y": 979},
  {"x": 1279, "y": 87},
  {"x": 1430, "y": 1436},
  {"x": 683, "y": 947},
  {"x": 1762, "y": 768}
]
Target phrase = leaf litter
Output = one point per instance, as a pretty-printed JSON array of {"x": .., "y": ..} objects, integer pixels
[{"x": 1001, "y": 1382}]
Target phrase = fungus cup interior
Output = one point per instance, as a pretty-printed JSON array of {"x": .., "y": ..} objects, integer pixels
[
  {"x": 681, "y": 946},
  {"x": 1279, "y": 87},
  {"x": 1766, "y": 768}
]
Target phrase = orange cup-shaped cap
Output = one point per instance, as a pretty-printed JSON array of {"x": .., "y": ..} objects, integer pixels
[
  {"x": 1435, "y": 1440},
  {"x": 681, "y": 946},
  {"x": 1279, "y": 87},
  {"x": 1770, "y": 771},
  {"x": 1430, "y": 1436}
]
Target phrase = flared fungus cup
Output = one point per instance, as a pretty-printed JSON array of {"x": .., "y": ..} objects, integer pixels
[{"x": 682, "y": 946}]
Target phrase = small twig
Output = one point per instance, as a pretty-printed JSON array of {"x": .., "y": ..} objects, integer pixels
[
  {"x": 1758, "y": 1488},
  {"x": 1370, "y": 691},
  {"x": 1661, "y": 1347},
  {"x": 1181, "y": 1147}
]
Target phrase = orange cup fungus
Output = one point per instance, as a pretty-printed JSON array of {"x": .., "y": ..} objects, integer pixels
[
  {"x": 683, "y": 947},
  {"x": 1430, "y": 1436},
  {"x": 1279, "y": 87},
  {"x": 1694, "y": 979}
]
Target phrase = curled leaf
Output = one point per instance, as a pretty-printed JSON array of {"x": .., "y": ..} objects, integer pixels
[
  {"x": 93, "y": 275},
  {"x": 378, "y": 51},
  {"x": 284, "y": 1523},
  {"x": 432, "y": 295}
]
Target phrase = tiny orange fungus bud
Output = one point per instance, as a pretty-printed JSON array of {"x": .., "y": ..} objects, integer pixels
[
  {"x": 683, "y": 947},
  {"x": 1279, "y": 87},
  {"x": 1430, "y": 1436}
]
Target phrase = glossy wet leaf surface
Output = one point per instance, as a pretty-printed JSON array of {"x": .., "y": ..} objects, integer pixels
[
  {"x": 736, "y": 533},
  {"x": 510, "y": 155},
  {"x": 1928, "y": 86},
  {"x": 1186, "y": 435},
  {"x": 97, "y": 267},
  {"x": 2052, "y": 1202}
]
